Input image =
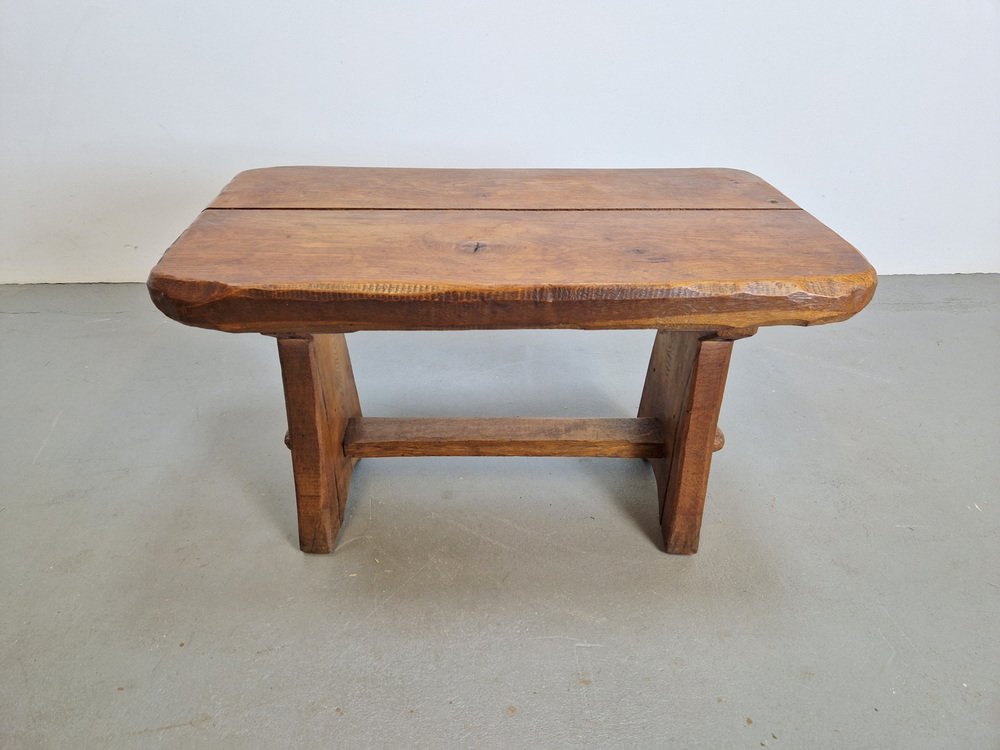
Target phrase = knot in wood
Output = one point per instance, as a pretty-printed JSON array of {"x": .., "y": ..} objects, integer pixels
[{"x": 473, "y": 247}]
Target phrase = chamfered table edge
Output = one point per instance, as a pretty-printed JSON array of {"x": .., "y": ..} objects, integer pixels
[
  {"x": 392, "y": 305},
  {"x": 685, "y": 306}
]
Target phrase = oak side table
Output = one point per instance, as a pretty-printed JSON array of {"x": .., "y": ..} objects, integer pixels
[{"x": 704, "y": 256}]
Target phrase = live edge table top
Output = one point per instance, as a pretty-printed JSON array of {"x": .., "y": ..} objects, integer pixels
[{"x": 331, "y": 249}]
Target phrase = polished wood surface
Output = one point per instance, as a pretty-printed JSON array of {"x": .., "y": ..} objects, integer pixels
[
  {"x": 309, "y": 253},
  {"x": 618, "y": 438},
  {"x": 695, "y": 252}
]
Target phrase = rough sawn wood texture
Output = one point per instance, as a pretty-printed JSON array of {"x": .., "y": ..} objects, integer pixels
[
  {"x": 705, "y": 256},
  {"x": 326, "y": 249}
]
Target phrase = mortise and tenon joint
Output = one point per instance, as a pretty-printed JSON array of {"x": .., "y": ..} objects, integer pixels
[{"x": 703, "y": 256}]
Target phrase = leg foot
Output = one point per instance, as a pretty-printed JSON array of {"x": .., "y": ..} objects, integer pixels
[
  {"x": 320, "y": 398},
  {"x": 684, "y": 386}
]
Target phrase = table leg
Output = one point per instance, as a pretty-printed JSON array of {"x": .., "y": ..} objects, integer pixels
[
  {"x": 320, "y": 398},
  {"x": 684, "y": 386}
]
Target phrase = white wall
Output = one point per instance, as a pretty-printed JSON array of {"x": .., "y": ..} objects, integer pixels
[{"x": 120, "y": 119}]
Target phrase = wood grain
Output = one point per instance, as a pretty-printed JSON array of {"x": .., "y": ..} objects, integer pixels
[
  {"x": 620, "y": 438},
  {"x": 704, "y": 255},
  {"x": 663, "y": 393},
  {"x": 720, "y": 440},
  {"x": 326, "y": 271},
  {"x": 320, "y": 399},
  {"x": 499, "y": 189},
  {"x": 684, "y": 385}
]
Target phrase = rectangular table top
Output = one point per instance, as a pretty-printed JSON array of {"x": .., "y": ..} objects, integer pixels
[{"x": 330, "y": 249}]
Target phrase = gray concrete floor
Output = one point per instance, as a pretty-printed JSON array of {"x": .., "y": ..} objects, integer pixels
[{"x": 846, "y": 594}]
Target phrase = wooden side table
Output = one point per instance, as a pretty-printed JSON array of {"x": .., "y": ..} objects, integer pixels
[{"x": 705, "y": 256}]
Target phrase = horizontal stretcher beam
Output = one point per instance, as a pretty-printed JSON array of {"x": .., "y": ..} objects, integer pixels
[{"x": 372, "y": 437}]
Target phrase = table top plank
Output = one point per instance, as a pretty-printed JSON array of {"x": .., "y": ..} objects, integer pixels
[
  {"x": 499, "y": 189},
  {"x": 279, "y": 268}
]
